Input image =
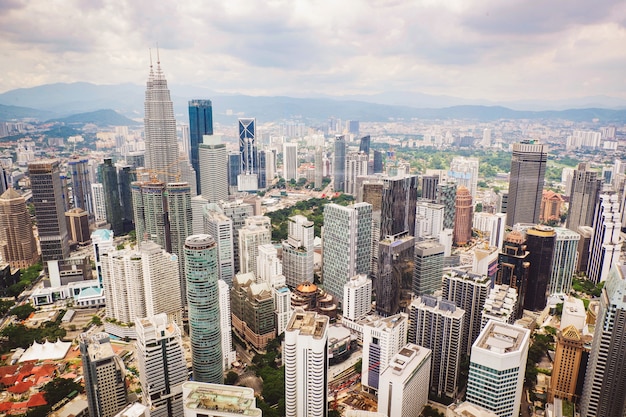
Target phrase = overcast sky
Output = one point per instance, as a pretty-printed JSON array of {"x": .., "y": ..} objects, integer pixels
[{"x": 491, "y": 49}]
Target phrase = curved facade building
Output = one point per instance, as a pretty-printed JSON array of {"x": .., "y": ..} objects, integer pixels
[
  {"x": 463, "y": 216},
  {"x": 204, "y": 308}
]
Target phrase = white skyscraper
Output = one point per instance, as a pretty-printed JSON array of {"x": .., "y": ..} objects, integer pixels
[
  {"x": 269, "y": 268},
  {"x": 492, "y": 227},
  {"x": 465, "y": 172},
  {"x": 403, "y": 390},
  {"x": 251, "y": 237},
  {"x": 564, "y": 259},
  {"x": 220, "y": 226},
  {"x": 357, "y": 297},
  {"x": 282, "y": 304},
  {"x": 382, "y": 338},
  {"x": 197, "y": 214},
  {"x": 428, "y": 220},
  {"x": 290, "y": 161},
  {"x": 99, "y": 206},
  {"x": 606, "y": 242},
  {"x": 161, "y": 363},
  {"x": 225, "y": 324},
  {"x": 298, "y": 251},
  {"x": 356, "y": 166},
  {"x": 305, "y": 355},
  {"x": 346, "y": 245},
  {"x": 102, "y": 242},
  {"x": 497, "y": 368},
  {"x": 486, "y": 141},
  {"x": 213, "y": 159},
  {"x": 438, "y": 325}
]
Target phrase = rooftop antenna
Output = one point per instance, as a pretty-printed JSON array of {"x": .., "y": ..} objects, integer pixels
[
  {"x": 150, "y": 49},
  {"x": 158, "y": 58}
]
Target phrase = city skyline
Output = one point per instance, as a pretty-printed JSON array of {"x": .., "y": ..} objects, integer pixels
[{"x": 491, "y": 50}]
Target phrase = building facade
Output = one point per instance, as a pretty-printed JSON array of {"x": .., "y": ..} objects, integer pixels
[
  {"x": 17, "y": 241},
  {"x": 463, "y": 216},
  {"x": 606, "y": 242},
  {"x": 200, "y": 124},
  {"x": 213, "y": 165},
  {"x": 584, "y": 193},
  {"x": 428, "y": 267}
]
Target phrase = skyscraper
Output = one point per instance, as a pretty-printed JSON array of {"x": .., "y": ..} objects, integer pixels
[
  {"x": 429, "y": 187},
  {"x": 45, "y": 180},
  {"x": 463, "y": 216},
  {"x": 305, "y": 355},
  {"x": 438, "y": 325},
  {"x": 161, "y": 363},
  {"x": 250, "y": 238},
  {"x": 298, "y": 251},
  {"x": 357, "y": 297},
  {"x": 605, "y": 379},
  {"x": 346, "y": 246},
  {"x": 465, "y": 172},
  {"x": 540, "y": 241},
  {"x": 428, "y": 267},
  {"x": 220, "y": 226},
  {"x": 200, "y": 124},
  {"x": 319, "y": 167},
  {"x": 394, "y": 272},
  {"x": 204, "y": 309},
  {"x": 228, "y": 353},
  {"x": 99, "y": 203},
  {"x": 17, "y": 242},
  {"x": 81, "y": 185},
  {"x": 213, "y": 165},
  {"x": 234, "y": 169},
  {"x": 497, "y": 368},
  {"x": 528, "y": 168},
  {"x": 111, "y": 196},
  {"x": 290, "y": 161},
  {"x": 364, "y": 145},
  {"x": 563, "y": 261},
  {"x": 514, "y": 266},
  {"x": 247, "y": 180},
  {"x": 104, "y": 373},
  {"x": 446, "y": 195},
  {"x": 339, "y": 163},
  {"x": 160, "y": 128},
  {"x": 404, "y": 384},
  {"x": 399, "y": 198},
  {"x": 566, "y": 368},
  {"x": 606, "y": 242}
]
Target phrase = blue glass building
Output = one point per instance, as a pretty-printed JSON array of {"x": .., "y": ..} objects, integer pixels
[{"x": 200, "y": 124}]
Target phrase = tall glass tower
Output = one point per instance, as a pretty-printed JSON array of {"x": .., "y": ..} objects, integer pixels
[
  {"x": 528, "y": 169},
  {"x": 200, "y": 124},
  {"x": 247, "y": 146},
  {"x": 339, "y": 163},
  {"x": 204, "y": 308}
]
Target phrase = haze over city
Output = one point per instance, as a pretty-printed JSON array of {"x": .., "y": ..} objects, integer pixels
[{"x": 479, "y": 50}]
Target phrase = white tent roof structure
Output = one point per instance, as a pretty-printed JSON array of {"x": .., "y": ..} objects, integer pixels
[{"x": 46, "y": 351}]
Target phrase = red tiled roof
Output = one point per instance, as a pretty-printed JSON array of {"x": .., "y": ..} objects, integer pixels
[
  {"x": 36, "y": 400},
  {"x": 5, "y": 406},
  {"x": 20, "y": 387}
]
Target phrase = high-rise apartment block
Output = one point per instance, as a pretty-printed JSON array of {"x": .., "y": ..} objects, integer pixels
[
  {"x": 469, "y": 292},
  {"x": 45, "y": 181},
  {"x": 357, "y": 297},
  {"x": 606, "y": 242},
  {"x": 497, "y": 368},
  {"x": 298, "y": 251},
  {"x": 403, "y": 388},
  {"x": 528, "y": 168},
  {"x": 305, "y": 355},
  {"x": 501, "y": 305},
  {"x": 438, "y": 325},
  {"x": 17, "y": 241},
  {"x": 220, "y": 226},
  {"x": 290, "y": 161},
  {"x": 213, "y": 169},
  {"x": 428, "y": 267},
  {"x": 339, "y": 163},
  {"x": 251, "y": 237},
  {"x": 225, "y": 324},
  {"x": 356, "y": 166},
  {"x": 161, "y": 363},
  {"x": 584, "y": 194},
  {"x": 382, "y": 338},
  {"x": 429, "y": 220},
  {"x": 104, "y": 374},
  {"x": 200, "y": 124},
  {"x": 204, "y": 308},
  {"x": 346, "y": 244},
  {"x": 99, "y": 203}
]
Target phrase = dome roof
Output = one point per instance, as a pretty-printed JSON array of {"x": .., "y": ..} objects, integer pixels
[
  {"x": 307, "y": 287},
  {"x": 515, "y": 237}
]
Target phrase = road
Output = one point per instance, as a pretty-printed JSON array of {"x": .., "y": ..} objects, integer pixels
[{"x": 525, "y": 404}]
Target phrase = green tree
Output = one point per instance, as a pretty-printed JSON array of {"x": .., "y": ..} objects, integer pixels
[
  {"x": 231, "y": 378},
  {"x": 22, "y": 312}
]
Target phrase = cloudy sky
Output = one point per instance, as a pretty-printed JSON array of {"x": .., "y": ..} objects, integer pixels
[{"x": 491, "y": 49}]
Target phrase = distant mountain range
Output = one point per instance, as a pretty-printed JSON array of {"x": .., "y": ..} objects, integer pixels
[
  {"x": 85, "y": 101},
  {"x": 100, "y": 118}
]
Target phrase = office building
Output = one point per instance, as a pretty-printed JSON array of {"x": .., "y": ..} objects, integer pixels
[
  {"x": 398, "y": 201},
  {"x": 585, "y": 233},
  {"x": 202, "y": 399},
  {"x": 200, "y": 124},
  {"x": 225, "y": 324},
  {"x": 81, "y": 185},
  {"x": 540, "y": 242},
  {"x": 551, "y": 207},
  {"x": 103, "y": 372},
  {"x": 213, "y": 173},
  {"x": 220, "y": 226},
  {"x": 563, "y": 261},
  {"x": 501, "y": 305},
  {"x": 429, "y": 187},
  {"x": 77, "y": 221},
  {"x": 161, "y": 365},
  {"x": 267, "y": 167},
  {"x": 45, "y": 181},
  {"x": 339, "y": 163},
  {"x": 161, "y": 141},
  {"x": 567, "y": 360},
  {"x": 605, "y": 379},
  {"x": 403, "y": 390},
  {"x": 514, "y": 266},
  {"x": 290, "y": 161},
  {"x": 99, "y": 203},
  {"x": 269, "y": 267},
  {"x": 584, "y": 193},
  {"x": 111, "y": 196},
  {"x": 126, "y": 175},
  {"x": 437, "y": 325},
  {"x": 298, "y": 251},
  {"x": 204, "y": 309},
  {"x": 251, "y": 237},
  {"x": 356, "y": 166},
  {"x": 446, "y": 195},
  {"x": 468, "y": 291},
  {"x": 395, "y": 271},
  {"x": 252, "y": 310},
  {"x": 247, "y": 180},
  {"x": 346, "y": 246},
  {"x": 429, "y": 220},
  {"x": 497, "y": 368},
  {"x": 428, "y": 267},
  {"x": 305, "y": 355},
  {"x": 238, "y": 212},
  {"x": 102, "y": 242},
  {"x": 378, "y": 162},
  {"x": 490, "y": 227},
  {"x": 606, "y": 242},
  {"x": 382, "y": 339},
  {"x": 319, "y": 167},
  {"x": 364, "y": 144},
  {"x": 528, "y": 168},
  {"x": 234, "y": 169},
  {"x": 357, "y": 297},
  {"x": 17, "y": 241},
  {"x": 463, "y": 217},
  {"x": 486, "y": 141},
  {"x": 464, "y": 171}
]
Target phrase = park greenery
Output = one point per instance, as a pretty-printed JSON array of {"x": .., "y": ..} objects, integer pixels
[
  {"x": 22, "y": 312},
  {"x": 19, "y": 336},
  {"x": 312, "y": 209},
  {"x": 27, "y": 277},
  {"x": 541, "y": 344},
  {"x": 272, "y": 401},
  {"x": 584, "y": 286},
  {"x": 5, "y": 306}
]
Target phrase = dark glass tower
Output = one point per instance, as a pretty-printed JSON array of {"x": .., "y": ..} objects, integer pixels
[
  {"x": 112, "y": 197},
  {"x": 126, "y": 175},
  {"x": 540, "y": 242},
  {"x": 528, "y": 169},
  {"x": 234, "y": 168},
  {"x": 394, "y": 273},
  {"x": 398, "y": 201},
  {"x": 378, "y": 162},
  {"x": 364, "y": 146},
  {"x": 584, "y": 194},
  {"x": 513, "y": 266},
  {"x": 200, "y": 124}
]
